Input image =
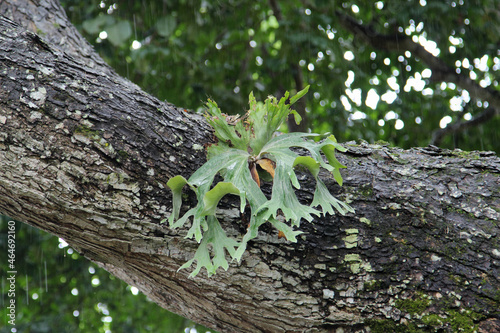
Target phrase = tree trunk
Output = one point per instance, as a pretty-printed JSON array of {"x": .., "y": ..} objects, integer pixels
[{"x": 85, "y": 155}]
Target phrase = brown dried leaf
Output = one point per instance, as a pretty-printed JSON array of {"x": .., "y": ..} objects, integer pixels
[
  {"x": 281, "y": 234},
  {"x": 267, "y": 165},
  {"x": 255, "y": 174}
]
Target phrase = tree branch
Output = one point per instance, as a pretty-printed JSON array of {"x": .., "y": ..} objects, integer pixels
[
  {"x": 85, "y": 156},
  {"x": 51, "y": 19},
  {"x": 458, "y": 126}
]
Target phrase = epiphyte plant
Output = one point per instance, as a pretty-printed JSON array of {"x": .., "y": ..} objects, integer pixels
[{"x": 250, "y": 149}]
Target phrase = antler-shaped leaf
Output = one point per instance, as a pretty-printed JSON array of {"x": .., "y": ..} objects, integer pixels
[
  {"x": 216, "y": 236},
  {"x": 244, "y": 146}
]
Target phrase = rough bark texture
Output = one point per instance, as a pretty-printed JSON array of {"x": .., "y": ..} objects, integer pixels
[{"x": 85, "y": 155}]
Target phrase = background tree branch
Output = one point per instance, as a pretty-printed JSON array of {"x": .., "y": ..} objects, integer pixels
[
  {"x": 441, "y": 71},
  {"x": 483, "y": 117}
]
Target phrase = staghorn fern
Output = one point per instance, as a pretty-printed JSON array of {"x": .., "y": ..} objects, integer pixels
[{"x": 243, "y": 145}]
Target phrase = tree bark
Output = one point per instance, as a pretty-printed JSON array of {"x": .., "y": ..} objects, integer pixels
[{"x": 85, "y": 155}]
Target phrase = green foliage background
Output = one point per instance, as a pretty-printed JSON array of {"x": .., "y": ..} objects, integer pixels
[
  {"x": 195, "y": 49},
  {"x": 192, "y": 49}
]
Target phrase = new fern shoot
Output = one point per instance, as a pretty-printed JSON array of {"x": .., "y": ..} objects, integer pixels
[{"x": 243, "y": 144}]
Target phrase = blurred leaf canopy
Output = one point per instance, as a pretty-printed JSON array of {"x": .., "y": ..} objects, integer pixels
[{"x": 186, "y": 51}]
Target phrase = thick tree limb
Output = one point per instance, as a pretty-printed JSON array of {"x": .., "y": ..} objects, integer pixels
[
  {"x": 49, "y": 19},
  {"x": 85, "y": 155}
]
